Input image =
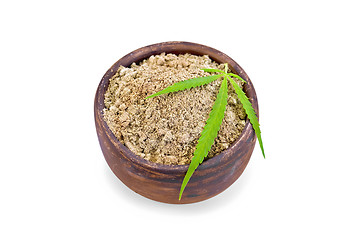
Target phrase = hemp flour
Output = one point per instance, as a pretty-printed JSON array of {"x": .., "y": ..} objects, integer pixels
[{"x": 165, "y": 129}]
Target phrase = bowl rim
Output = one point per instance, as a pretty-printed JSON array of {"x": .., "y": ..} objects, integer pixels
[{"x": 158, "y": 167}]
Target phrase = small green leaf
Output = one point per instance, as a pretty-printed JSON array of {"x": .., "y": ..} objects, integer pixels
[
  {"x": 208, "y": 134},
  {"x": 187, "y": 84},
  {"x": 249, "y": 111},
  {"x": 212, "y": 70},
  {"x": 237, "y": 76}
]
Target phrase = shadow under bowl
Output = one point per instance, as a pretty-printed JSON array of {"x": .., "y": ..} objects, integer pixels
[{"x": 161, "y": 182}]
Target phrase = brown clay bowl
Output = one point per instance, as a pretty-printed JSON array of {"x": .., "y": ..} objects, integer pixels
[{"x": 162, "y": 182}]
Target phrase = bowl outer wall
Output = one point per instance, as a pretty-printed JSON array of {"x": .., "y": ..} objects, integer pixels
[{"x": 161, "y": 182}]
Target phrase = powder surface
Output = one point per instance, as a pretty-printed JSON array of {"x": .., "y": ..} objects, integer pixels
[{"x": 165, "y": 129}]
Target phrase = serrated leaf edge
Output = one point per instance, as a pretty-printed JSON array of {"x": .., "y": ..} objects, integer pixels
[
  {"x": 187, "y": 84},
  {"x": 249, "y": 111},
  {"x": 212, "y": 70},
  {"x": 237, "y": 76},
  {"x": 208, "y": 134}
]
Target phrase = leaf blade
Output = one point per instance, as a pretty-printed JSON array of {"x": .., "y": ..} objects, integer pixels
[
  {"x": 237, "y": 76},
  {"x": 187, "y": 84},
  {"x": 249, "y": 111},
  {"x": 212, "y": 70},
  {"x": 208, "y": 134}
]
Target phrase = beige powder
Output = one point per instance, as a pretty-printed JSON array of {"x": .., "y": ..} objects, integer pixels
[{"x": 165, "y": 129}]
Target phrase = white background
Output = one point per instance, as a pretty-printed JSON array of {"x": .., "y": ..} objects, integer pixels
[{"x": 303, "y": 58}]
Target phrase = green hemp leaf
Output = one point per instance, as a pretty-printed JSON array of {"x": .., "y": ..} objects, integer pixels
[{"x": 216, "y": 116}]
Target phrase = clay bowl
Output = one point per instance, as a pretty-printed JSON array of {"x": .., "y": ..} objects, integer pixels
[{"x": 162, "y": 182}]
